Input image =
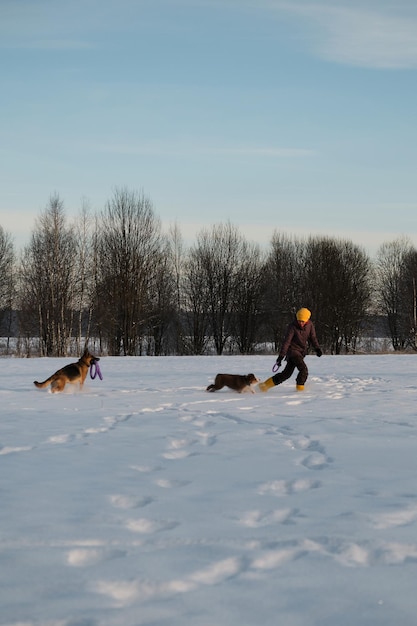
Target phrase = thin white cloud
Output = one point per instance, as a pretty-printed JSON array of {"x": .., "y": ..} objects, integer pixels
[
  {"x": 253, "y": 151},
  {"x": 200, "y": 150},
  {"x": 364, "y": 36},
  {"x": 367, "y": 33}
]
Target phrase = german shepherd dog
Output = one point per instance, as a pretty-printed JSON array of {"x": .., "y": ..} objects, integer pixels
[
  {"x": 72, "y": 373},
  {"x": 236, "y": 382}
]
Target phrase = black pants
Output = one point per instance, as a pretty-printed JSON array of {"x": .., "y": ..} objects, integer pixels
[{"x": 295, "y": 361}]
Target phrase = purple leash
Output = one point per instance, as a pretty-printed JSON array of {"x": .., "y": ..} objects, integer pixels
[{"x": 95, "y": 370}]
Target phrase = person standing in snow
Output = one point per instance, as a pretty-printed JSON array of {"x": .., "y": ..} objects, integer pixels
[{"x": 300, "y": 333}]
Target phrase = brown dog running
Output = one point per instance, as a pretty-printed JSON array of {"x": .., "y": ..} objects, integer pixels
[
  {"x": 237, "y": 382},
  {"x": 72, "y": 373}
]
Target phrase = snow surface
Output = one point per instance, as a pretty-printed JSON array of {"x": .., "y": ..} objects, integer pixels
[{"x": 145, "y": 500}]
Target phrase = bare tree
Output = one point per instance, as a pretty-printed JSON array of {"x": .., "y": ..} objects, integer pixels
[
  {"x": 220, "y": 253},
  {"x": 394, "y": 302},
  {"x": 128, "y": 244},
  {"x": 247, "y": 298},
  {"x": 282, "y": 284},
  {"x": 194, "y": 305},
  {"x": 177, "y": 260},
  {"x": 337, "y": 288},
  {"x": 86, "y": 260},
  {"x": 410, "y": 296},
  {"x": 162, "y": 301},
  {"x": 8, "y": 284},
  {"x": 47, "y": 279}
]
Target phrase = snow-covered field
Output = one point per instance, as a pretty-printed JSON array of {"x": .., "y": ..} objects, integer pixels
[{"x": 145, "y": 500}]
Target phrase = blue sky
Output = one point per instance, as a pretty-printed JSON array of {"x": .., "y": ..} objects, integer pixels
[{"x": 297, "y": 116}]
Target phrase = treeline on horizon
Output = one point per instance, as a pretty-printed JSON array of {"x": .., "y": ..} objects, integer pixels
[{"x": 116, "y": 280}]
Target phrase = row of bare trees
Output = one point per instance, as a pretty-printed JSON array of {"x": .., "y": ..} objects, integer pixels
[{"x": 116, "y": 279}]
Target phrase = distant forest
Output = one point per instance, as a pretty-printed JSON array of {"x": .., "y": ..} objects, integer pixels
[{"x": 114, "y": 280}]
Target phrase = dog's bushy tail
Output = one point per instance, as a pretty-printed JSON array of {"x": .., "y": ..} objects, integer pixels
[{"x": 45, "y": 383}]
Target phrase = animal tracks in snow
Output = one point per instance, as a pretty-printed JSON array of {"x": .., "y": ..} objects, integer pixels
[
  {"x": 393, "y": 519},
  {"x": 259, "y": 519},
  {"x": 316, "y": 461},
  {"x": 281, "y": 488},
  {"x": 107, "y": 424},
  {"x": 146, "y": 526},
  {"x": 183, "y": 448},
  {"x": 129, "y": 502},
  {"x": 258, "y": 562},
  {"x": 86, "y": 557},
  {"x": 127, "y": 592},
  {"x": 13, "y": 449},
  {"x": 179, "y": 448}
]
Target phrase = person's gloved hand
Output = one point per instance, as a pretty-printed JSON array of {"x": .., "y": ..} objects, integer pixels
[
  {"x": 318, "y": 352},
  {"x": 279, "y": 361}
]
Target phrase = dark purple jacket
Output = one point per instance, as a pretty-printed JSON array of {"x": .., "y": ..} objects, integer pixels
[{"x": 296, "y": 339}]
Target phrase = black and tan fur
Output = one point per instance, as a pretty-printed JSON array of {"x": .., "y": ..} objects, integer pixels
[
  {"x": 73, "y": 373},
  {"x": 237, "y": 382}
]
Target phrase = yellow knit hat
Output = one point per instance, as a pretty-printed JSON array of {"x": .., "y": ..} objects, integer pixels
[{"x": 303, "y": 315}]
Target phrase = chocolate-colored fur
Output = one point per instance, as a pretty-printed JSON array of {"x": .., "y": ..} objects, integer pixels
[
  {"x": 72, "y": 373},
  {"x": 237, "y": 382}
]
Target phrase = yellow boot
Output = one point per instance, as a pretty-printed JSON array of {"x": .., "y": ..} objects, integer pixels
[
  {"x": 267, "y": 384},
  {"x": 299, "y": 387}
]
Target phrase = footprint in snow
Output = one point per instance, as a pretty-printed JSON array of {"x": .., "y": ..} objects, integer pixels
[
  {"x": 177, "y": 449},
  {"x": 147, "y": 469},
  {"x": 145, "y": 526},
  {"x": 83, "y": 557},
  {"x": 305, "y": 443},
  {"x": 58, "y": 439},
  {"x": 287, "y": 487},
  {"x": 12, "y": 450},
  {"x": 258, "y": 519},
  {"x": 316, "y": 461},
  {"x": 205, "y": 439},
  {"x": 395, "y": 518},
  {"x": 129, "y": 502},
  {"x": 175, "y": 444},
  {"x": 177, "y": 454},
  {"x": 171, "y": 484},
  {"x": 127, "y": 592}
]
